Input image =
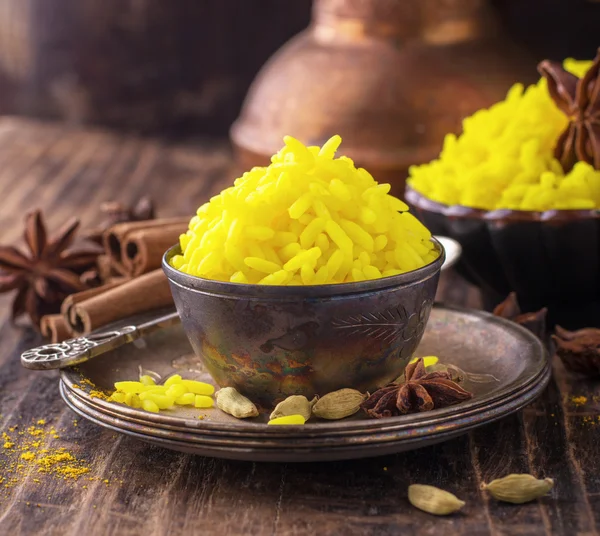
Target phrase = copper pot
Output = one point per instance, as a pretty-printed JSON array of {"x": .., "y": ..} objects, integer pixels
[{"x": 391, "y": 76}]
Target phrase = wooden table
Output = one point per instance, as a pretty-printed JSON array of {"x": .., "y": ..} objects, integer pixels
[{"x": 154, "y": 491}]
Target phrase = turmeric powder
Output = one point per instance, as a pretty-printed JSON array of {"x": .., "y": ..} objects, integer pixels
[{"x": 28, "y": 449}]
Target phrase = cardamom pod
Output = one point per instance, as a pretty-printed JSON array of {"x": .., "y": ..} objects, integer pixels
[
  {"x": 433, "y": 500},
  {"x": 234, "y": 403},
  {"x": 292, "y": 405},
  {"x": 518, "y": 488},
  {"x": 338, "y": 404}
]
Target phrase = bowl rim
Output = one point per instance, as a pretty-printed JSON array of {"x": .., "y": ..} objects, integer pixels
[
  {"x": 192, "y": 282},
  {"x": 419, "y": 200}
]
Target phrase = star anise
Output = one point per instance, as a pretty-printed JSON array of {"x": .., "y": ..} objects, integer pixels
[
  {"x": 421, "y": 391},
  {"x": 49, "y": 272},
  {"x": 579, "y": 350},
  {"x": 115, "y": 212},
  {"x": 579, "y": 99},
  {"x": 534, "y": 322}
]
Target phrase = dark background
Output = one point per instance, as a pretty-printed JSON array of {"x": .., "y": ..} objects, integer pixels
[{"x": 182, "y": 67}]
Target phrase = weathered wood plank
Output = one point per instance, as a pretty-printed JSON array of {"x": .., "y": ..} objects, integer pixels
[{"x": 155, "y": 491}]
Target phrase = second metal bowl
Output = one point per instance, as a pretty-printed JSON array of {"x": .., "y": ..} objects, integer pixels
[{"x": 550, "y": 259}]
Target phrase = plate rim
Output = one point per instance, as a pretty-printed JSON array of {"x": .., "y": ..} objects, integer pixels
[
  {"x": 383, "y": 425},
  {"x": 328, "y": 452},
  {"x": 538, "y": 354},
  {"x": 422, "y": 429}
]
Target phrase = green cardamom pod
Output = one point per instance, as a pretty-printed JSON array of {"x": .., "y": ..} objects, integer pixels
[
  {"x": 518, "y": 488},
  {"x": 338, "y": 404},
  {"x": 433, "y": 500},
  {"x": 292, "y": 405},
  {"x": 234, "y": 403}
]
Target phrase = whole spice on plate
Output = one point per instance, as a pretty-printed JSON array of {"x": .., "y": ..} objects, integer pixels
[
  {"x": 579, "y": 99},
  {"x": 534, "y": 322},
  {"x": 338, "y": 404},
  {"x": 579, "y": 350},
  {"x": 518, "y": 488},
  {"x": 234, "y": 403},
  {"x": 49, "y": 272},
  {"x": 433, "y": 500},
  {"x": 421, "y": 391},
  {"x": 293, "y": 405},
  {"x": 432, "y": 364}
]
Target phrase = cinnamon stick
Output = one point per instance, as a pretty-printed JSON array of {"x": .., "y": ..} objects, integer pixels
[
  {"x": 144, "y": 293},
  {"x": 114, "y": 238},
  {"x": 142, "y": 250},
  {"x": 106, "y": 270},
  {"x": 55, "y": 328},
  {"x": 68, "y": 303}
]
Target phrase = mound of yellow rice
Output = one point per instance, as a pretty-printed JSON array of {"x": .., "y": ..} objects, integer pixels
[
  {"x": 504, "y": 158},
  {"x": 307, "y": 219}
]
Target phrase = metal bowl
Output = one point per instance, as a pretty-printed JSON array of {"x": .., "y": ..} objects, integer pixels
[
  {"x": 550, "y": 259},
  {"x": 270, "y": 342}
]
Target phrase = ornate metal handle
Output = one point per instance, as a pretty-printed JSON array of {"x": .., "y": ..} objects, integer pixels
[{"x": 74, "y": 351}]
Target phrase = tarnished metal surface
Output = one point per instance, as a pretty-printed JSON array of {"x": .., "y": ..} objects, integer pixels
[
  {"x": 474, "y": 341},
  {"x": 271, "y": 342}
]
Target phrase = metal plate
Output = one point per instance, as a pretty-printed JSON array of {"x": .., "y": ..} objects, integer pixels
[
  {"x": 290, "y": 451},
  {"x": 475, "y": 341}
]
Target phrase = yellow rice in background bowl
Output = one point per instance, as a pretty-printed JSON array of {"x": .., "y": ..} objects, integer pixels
[{"x": 504, "y": 158}]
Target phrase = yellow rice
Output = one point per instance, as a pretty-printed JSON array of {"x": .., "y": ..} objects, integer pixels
[
  {"x": 504, "y": 158},
  {"x": 307, "y": 219}
]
